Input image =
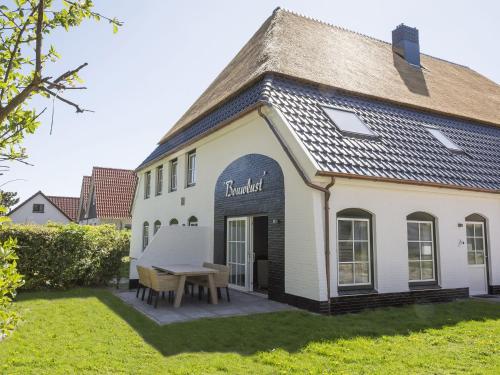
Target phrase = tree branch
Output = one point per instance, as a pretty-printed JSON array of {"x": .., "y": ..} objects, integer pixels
[
  {"x": 77, "y": 107},
  {"x": 13, "y": 53},
  {"x": 38, "y": 48},
  {"x": 69, "y": 73}
]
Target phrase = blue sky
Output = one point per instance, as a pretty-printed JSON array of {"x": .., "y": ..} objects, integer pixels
[{"x": 141, "y": 80}]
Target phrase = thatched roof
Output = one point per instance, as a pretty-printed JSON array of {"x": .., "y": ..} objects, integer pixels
[{"x": 310, "y": 50}]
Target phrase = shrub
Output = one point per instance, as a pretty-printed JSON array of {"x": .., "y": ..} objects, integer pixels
[
  {"x": 63, "y": 256},
  {"x": 10, "y": 280}
]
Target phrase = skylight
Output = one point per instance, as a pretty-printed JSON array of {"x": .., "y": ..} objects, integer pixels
[
  {"x": 445, "y": 141},
  {"x": 348, "y": 122}
]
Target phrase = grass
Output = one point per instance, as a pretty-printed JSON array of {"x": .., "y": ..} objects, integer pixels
[{"x": 89, "y": 330}]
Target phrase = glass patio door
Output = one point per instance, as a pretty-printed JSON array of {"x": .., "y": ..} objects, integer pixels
[{"x": 237, "y": 252}]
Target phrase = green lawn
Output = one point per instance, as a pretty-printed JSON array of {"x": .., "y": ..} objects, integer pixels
[{"x": 90, "y": 330}]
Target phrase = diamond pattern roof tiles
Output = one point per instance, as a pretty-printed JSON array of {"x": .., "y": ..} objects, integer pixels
[{"x": 403, "y": 150}]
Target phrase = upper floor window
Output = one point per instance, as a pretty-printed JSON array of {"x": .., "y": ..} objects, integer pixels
[
  {"x": 147, "y": 184},
  {"x": 159, "y": 180},
  {"x": 193, "y": 221},
  {"x": 145, "y": 235},
  {"x": 421, "y": 247},
  {"x": 443, "y": 139},
  {"x": 354, "y": 248},
  {"x": 191, "y": 168},
  {"x": 173, "y": 221},
  {"x": 157, "y": 226},
  {"x": 349, "y": 123},
  {"x": 38, "y": 208},
  {"x": 173, "y": 175}
]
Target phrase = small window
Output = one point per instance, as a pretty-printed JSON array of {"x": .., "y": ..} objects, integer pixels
[
  {"x": 38, "y": 208},
  {"x": 348, "y": 122},
  {"x": 173, "y": 222},
  {"x": 173, "y": 175},
  {"x": 145, "y": 235},
  {"x": 191, "y": 169},
  {"x": 159, "y": 180},
  {"x": 147, "y": 184},
  {"x": 445, "y": 141},
  {"x": 156, "y": 226},
  {"x": 193, "y": 221}
]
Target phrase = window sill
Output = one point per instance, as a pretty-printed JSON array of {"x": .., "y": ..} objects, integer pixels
[
  {"x": 358, "y": 291},
  {"x": 424, "y": 286},
  {"x": 189, "y": 186}
]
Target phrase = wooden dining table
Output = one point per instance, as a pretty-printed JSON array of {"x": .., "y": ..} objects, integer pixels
[{"x": 184, "y": 270}]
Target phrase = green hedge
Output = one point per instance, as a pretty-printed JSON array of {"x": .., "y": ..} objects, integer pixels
[{"x": 64, "y": 256}]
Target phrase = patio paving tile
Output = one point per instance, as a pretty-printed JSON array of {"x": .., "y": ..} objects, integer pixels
[{"x": 193, "y": 309}]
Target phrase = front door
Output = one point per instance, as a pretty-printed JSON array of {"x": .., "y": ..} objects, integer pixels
[
  {"x": 238, "y": 254},
  {"x": 476, "y": 258}
]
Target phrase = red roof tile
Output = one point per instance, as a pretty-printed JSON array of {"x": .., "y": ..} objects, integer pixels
[
  {"x": 114, "y": 192},
  {"x": 68, "y": 205}
]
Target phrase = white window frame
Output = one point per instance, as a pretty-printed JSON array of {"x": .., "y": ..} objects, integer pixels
[
  {"x": 147, "y": 185},
  {"x": 159, "y": 180},
  {"x": 434, "y": 255},
  {"x": 173, "y": 172},
  {"x": 370, "y": 281},
  {"x": 145, "y": 235},
  {"x": 483, "y": 237},
  {"x": 191, "y": 169}
]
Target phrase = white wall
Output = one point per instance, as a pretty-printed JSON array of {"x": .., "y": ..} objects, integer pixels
[
  {"x": 390, "y": 203},
  {"x": 25, "y": 215},
  {"x": 176, "y": 245},
  {"x": 303, "y": 240}
]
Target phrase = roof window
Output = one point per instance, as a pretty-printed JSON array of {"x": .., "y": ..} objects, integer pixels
[
  {"x": 444, "y": 140},
  {"x": 349, "y": 123}
]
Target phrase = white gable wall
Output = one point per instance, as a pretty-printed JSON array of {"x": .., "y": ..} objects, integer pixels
[
  {"x": 248, "y": 135},
  {"x": 25, "y": 215}
]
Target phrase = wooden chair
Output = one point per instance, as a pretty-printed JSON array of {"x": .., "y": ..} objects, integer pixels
[
  {"x": 221, "y": 280},
  {"x": 144, "y": 281},
  {"x": 161, "y": 283}
]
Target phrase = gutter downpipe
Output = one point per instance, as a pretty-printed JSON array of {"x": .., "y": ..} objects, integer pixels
[{"x": 325, "y": 190}]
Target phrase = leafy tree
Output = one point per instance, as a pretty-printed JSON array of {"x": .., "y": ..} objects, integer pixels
[
  {"x": 24, "y": 25},
  {"x": 8, "y": 199}
]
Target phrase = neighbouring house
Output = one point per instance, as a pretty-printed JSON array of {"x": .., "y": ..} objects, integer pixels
[
  {"x": 334, "y": 171},
  {"x": 41, "y": 208},
  {"x": 84, "y": 196},
  {"x": 106, "y": 197}
]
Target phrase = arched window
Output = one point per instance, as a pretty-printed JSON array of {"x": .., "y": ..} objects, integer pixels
[
  {"x": 193, "y": 221},
  {"x": 475, "y": 227},
  {"x": 173, "y": 222},
  {"x": 354, "y": 249},
  {"x": 145, "y": 235},
  {"x": 156, "y": 226},
  {"x": 421, "y": 248}
]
